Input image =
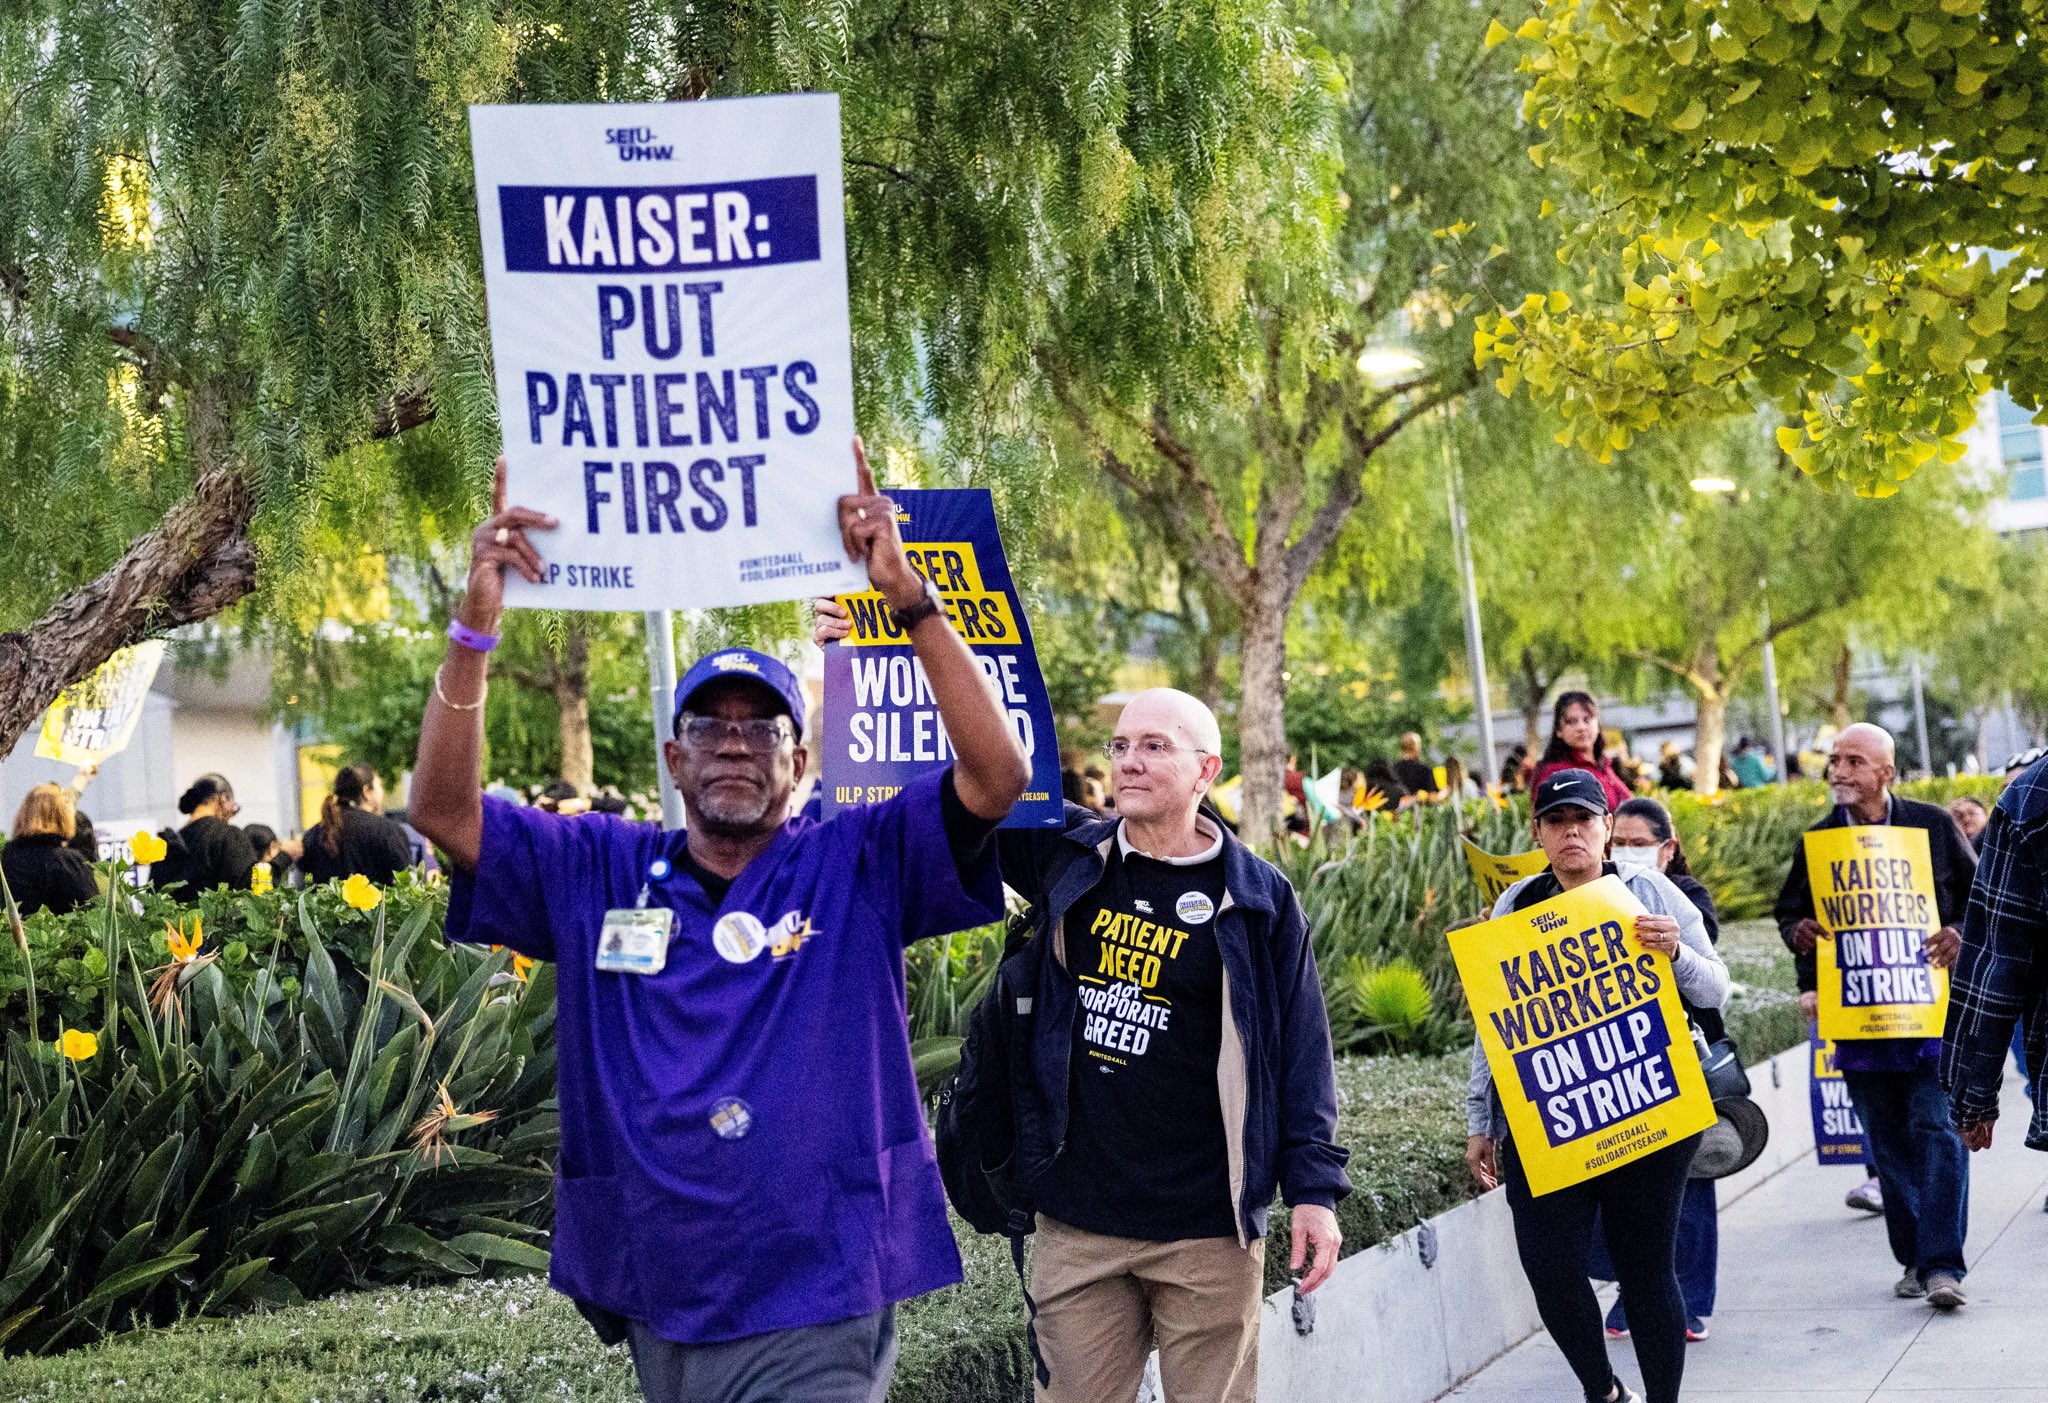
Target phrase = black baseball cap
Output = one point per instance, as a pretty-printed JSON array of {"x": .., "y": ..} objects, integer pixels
[{"x": 1576, "y": 789}]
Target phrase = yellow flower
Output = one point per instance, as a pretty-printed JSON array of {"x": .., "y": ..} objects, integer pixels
[
  {"x": 1374, "y": 801},
  {"x": 79, "y": 1045},
  {"x": 145, "y": 847},
  {"x": 182, "y": 949},
  {"x": 522, "y": 968},
  {"x": 259, "y": 880},
  {"x": 360, "y": 892}
]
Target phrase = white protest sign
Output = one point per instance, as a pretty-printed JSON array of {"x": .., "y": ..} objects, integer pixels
[{"x": 667, "y": 286}]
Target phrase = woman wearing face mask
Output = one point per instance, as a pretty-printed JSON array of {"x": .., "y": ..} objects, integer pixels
[
  {"x": 1644, "y": 841},
  {"x": 1639, "y": 1200},
  {"x": 1576, "y": 744}
]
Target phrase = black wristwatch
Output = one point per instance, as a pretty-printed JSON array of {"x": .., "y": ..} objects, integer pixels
[{"x": 908, "y": 619}]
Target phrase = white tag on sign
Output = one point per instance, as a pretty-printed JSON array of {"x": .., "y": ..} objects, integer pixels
[{"x": 635, "y": 941}]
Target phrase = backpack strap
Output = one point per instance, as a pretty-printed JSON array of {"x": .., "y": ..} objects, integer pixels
[{"x": 1016, "y": 1236}]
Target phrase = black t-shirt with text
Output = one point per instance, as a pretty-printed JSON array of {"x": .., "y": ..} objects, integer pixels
[{"x": 1145, "y": 1152}]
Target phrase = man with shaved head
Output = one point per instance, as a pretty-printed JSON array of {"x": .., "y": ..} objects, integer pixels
[
  {"x": 1923, "y": 1169},
  {"x": 1179, "y": 1073}
]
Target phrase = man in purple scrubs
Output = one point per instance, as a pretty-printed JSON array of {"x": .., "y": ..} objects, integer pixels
[{"x": 746, "y": 1187}]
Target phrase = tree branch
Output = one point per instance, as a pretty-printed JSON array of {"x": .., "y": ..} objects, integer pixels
[
  {"x": 195, "y": 563},
  {"x": 1349, "y": 488},
  {"x": 1209, "y": 536}
]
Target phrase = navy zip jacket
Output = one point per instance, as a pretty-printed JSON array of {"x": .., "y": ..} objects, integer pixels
[{"x": 1276, "y": 1073}]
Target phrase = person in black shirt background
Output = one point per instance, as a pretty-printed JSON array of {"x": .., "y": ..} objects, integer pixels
[
  {"x": 1416, "y": 774},
  {"x": 43, "y": 870},
  {"x": 209, "y": 851},
  {"x": 353, "y": 836}
]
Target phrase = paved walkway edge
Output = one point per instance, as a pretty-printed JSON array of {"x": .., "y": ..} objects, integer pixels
[{"x": 1409, "y": 1320}]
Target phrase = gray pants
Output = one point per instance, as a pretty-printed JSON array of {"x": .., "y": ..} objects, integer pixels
[{"x": 843, "y": 1361}]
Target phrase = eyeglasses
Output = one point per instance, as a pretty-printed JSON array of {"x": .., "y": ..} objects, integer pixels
[
  {"x": 762, "y": 735},
  {"x": 1151, "y": 748}
]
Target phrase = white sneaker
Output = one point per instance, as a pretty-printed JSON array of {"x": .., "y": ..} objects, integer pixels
[{"x": 1867, "y": 1196}]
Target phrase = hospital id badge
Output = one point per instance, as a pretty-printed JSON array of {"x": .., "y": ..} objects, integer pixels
[{"x": 635, "y": 940}]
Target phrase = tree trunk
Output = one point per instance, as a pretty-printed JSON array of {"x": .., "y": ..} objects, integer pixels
[
  {"x": 1209, "y": 668},
  {"x": 1262, "y": 713},
  {"x": 1838, "y": 703},
  {"x": 572, "y": 695},
  {"x": 195, "y": 563},
  {"x": 1710, "y": 736}
]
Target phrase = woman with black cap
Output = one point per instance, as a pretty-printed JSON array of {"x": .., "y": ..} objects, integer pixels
[
  {"x": 209, "y": 851},
  {"x": 1638, "y": 1200}
]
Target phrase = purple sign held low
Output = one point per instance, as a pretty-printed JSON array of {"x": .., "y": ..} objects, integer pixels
[
  {"x": 1837, "y": 1130},
  {"x": 881, "y": 725}
]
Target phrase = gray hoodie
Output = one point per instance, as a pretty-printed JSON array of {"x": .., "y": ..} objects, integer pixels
[{"x": 1702, "y": 978}]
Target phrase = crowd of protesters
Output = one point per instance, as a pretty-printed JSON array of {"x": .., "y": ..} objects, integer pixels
[{"x": 1164, "y": 1061}]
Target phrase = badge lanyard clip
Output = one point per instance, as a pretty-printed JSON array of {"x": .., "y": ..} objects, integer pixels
[{"x": 656, "y": 871}]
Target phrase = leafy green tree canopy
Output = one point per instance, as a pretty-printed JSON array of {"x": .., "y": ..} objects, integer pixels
[
  {"x": 240, "y": 240},
  {"x": 1830, "y": 205}
]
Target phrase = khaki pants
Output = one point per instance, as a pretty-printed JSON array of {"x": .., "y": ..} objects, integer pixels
[{"x": 1105, "y": 1302}]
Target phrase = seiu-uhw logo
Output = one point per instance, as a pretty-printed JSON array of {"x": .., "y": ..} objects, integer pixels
[{"x": 637, "y": 144}]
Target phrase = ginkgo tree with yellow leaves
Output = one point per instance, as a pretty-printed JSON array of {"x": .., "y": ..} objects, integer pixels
[{"x": 1833, "y": 206}]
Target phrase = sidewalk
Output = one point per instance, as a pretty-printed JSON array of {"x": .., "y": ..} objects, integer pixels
[{"x": 1806, "y": 1312}]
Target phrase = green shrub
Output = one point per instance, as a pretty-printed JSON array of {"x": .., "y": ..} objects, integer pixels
[
  {"x": 232, "y": 1142},
  {"x": 250, "y": 933}
]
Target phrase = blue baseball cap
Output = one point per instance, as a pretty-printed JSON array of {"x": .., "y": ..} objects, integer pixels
[{"x": 750, "y": 666}]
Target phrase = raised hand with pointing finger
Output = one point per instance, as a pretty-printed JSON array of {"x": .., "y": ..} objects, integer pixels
[{"x": 867, "y": 524}]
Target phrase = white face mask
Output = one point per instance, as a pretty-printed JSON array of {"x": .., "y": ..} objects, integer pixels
[{"x": 1633, "y": 860}]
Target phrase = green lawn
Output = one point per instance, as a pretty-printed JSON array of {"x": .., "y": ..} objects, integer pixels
[{"x": 513, "y": 1340}]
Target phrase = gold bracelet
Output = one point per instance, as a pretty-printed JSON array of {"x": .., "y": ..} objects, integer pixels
[{"x": 458, "y": 706}]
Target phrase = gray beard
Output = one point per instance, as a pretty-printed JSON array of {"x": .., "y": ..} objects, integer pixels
[{"x": 733, "y": 820}]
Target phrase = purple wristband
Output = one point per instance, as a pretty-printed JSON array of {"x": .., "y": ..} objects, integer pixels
[{"x": 469, "y": 638}]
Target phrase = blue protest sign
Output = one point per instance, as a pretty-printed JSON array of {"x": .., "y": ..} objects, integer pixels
[
  {"x": 880, "y": 726},
  {"x": 1837, "y": 1132},
  {"x": 669, "y": 332}
]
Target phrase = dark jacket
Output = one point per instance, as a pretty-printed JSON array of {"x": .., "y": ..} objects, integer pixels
[
  {"x": 43, "y": 872},
  {"x": 204, "y": 854},
  {"x": 1277, "y": 1075},
  {"x": 1954, "y": 866},
  {"x": 371, "y": 844},
  {"x": 1709, "y": 1019}
]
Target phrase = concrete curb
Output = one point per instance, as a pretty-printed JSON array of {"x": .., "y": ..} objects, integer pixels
[{"x": 1407, "y": 1320}]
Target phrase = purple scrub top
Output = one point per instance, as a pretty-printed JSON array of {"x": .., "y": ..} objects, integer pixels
[{"x": 743, "y": 1144}]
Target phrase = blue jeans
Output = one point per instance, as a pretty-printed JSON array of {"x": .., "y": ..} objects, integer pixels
[
  {"x": 1921, "y": 1165},
  {"x": 1699, "y": 1251}
]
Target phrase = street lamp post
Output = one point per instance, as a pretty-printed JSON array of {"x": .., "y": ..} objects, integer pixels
[
  {"x": 1468, "y": 589},
  {"x": 1386, "y": 364},
  {"x": 661, "y": 686},
  {"x": 1771, "y": 686}
]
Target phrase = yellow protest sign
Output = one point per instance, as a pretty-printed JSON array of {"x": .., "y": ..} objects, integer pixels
[
  {"x": 1496, "y": 874},
  {"x": 96, "y": 717},
  {"x": 1582, "y": 1027},
  {"x": 1873, "y": 892}
]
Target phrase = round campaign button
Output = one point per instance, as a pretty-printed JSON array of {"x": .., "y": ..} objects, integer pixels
[
  {"x": 732, "y": 1118},
  {"x": 739, "y": 936},
  {"x": 1194, "y": 907}
]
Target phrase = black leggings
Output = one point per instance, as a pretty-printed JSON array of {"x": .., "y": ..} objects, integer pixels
[{"x": 1639, "y": 1202}]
